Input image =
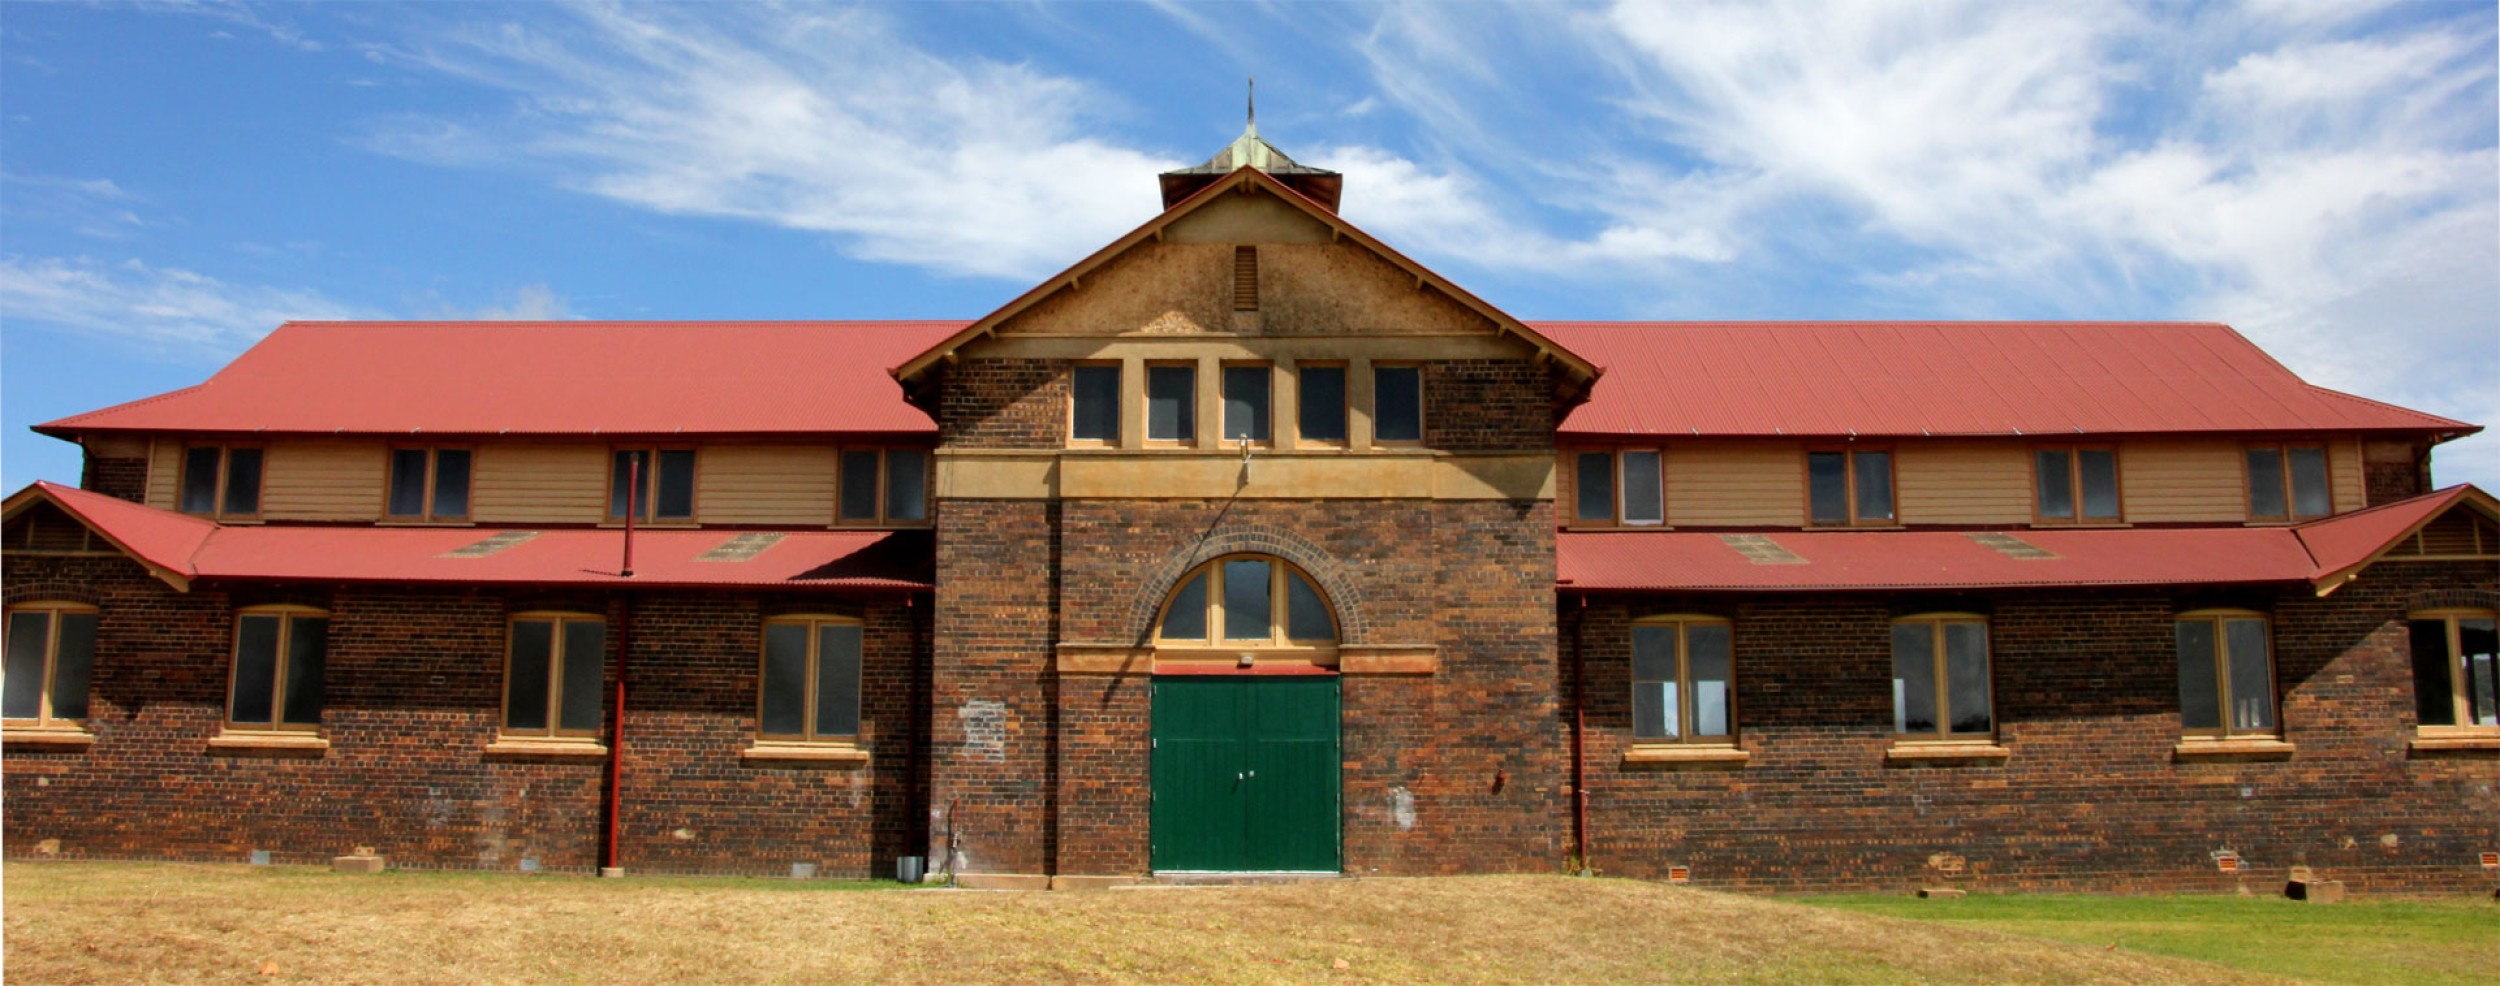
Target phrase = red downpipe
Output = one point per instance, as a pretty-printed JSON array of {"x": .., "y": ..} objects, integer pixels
[
  {"x": 633, "y": 485},
  {"x": 1579, "y": 749},
  {"x": 608, "y": 861}
]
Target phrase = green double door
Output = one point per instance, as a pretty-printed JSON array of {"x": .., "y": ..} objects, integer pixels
[{"x": 1245, "y": 774}]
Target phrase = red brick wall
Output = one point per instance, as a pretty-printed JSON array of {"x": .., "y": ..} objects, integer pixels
[
  {"x": 993, "y": 684},
  {"x": 2091, "y": 797},
  {"x": 1000, "y": 403},
  {"x": 413, "y": 692},
  {"x": 126, "y": 478}
]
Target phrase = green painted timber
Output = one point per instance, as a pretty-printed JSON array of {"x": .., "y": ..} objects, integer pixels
[{"x": 1246, "y": 774}]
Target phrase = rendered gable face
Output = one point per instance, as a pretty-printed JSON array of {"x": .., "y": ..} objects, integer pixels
[{"x": 1309, "y": 283}]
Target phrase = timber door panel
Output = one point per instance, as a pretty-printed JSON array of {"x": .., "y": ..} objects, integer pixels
[{"x": 1245, "y": 774}]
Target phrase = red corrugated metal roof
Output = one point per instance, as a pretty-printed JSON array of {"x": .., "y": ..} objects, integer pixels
[
  {"x": 189, "y": 548},
  {"x": 1950, "y": 378},
  {"x": 1666, "y": 561},
  {"x": 2345, "y": 543},
  {"x": 548, "y": 378}
]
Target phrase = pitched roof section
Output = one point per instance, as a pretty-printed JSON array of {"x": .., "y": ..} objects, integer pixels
[
  {"x": 2347, "y": 543},
  {"x": 910, "y": 370},
  {"x": 180, "y": 549},
  {"x": 1951, "y": 378},
  {"x": 548, "y": 378}
]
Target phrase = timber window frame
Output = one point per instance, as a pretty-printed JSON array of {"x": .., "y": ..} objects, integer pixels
[
  {"x": 284, "y": 708},
  {"x": 2218, "y": 665},
  {"x": 670, "y": 473},
  {"x": 1408, "y": 404},
  {"x": 2070, "y": 482},
  {"x": 1315, "y": 419},
  {"x": 1206, "y": 608},
  {"x": 2288, "y": 481},
  {"x": 2467, "y": 671},
  {"x": 1924, "y": 669},
  {"x": 1248, "y": 393},
  {"x": 1178, "y": 426},
  {"x": 795, "y": 683},
  {"x": 1634, "y": 485},
  {"x": 434, "y": 478},
  {"x": 890, "y": 483},
  {"x": 1092, "y": 424},
  {"x": 546, "y": 702},
  {"x": 1673, "y": 682},
  {"x": 60, "y": 689},
  {"x": 1853, "y": 502},
  {"x": 223, "y": 481}
]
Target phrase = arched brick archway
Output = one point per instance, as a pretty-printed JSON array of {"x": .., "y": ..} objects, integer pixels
[{"x": 1332, "y": 576}]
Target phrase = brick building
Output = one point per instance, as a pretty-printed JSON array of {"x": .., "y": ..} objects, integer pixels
[{"x": 1248, "y": 544}]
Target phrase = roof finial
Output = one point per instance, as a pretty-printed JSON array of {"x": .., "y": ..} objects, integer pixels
[{"x": 1253, "y": 129}]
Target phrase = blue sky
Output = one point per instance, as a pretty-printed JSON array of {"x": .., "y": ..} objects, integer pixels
[{"x": 178, "y": 178}]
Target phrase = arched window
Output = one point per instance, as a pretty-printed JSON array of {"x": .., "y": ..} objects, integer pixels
[{"x": 1246, "y": 601}]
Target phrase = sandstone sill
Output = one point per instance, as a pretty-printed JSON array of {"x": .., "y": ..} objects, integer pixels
[
  {"x": 1914, "y": 751},
  {"x": 47, "y": 737},
  {"x": 1683, "y": 754},
  {"x": 291, "y": 742},
  {"x": 844, "y": 754},
  {"x": 2435, "y": 744},
  {"x": 575, "y": 749},
  {"x": 2241, "y": 749}
]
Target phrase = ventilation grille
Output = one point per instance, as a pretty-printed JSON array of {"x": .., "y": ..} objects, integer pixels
[
  {"x": 1761, "y": 550},
  {"x": 45, "y": 529},
  {"x": 495, "y": 545},
  {"x": 2012, "y": 547},
  {"x": 740, "y": 547},
  {"x": 1245, "y": 279},
  {"x": 2458, "y": 534}
]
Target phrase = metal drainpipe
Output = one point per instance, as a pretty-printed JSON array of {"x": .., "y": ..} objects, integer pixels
[
  {"x": 609, "y": 863},
  {"x": 1579, "y": 749},
  {"x": 916, "y": 798}
]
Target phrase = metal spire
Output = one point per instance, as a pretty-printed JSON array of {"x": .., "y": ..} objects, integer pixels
[{"x": 1253, "y": 129}]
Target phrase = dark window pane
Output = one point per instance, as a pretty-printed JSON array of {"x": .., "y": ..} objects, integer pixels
[
  {"x": 1094, "y": 414},
  {"x": 407, "y": 482},
  {"x": 2479, "y": 638},
  {"x": 525, "y": 682},
  {"x": 307, "y": 650},
  {"x": 255, "y": 667},
  {"x": 1248, "y": 609},
  {"x": 906, "y": 484},
  {"x": 1653, "y": 653},
  {"x": 1643, "y": 501},
  {"x": 2200, "y": 685},
  {"x": 837, "y": 679},
  {"x": 585, "y": 665},
  {"x": 1710, "y": 656},
  {"x": 242, "y": 481},
  {"x": 199, "y": 480},
  {"x": 1655, "y": 703},
  {"x": 1246, "y": 402},
  {"x": 1323, "y": 403},
  {"x": 2309, "y": 493},
  {"x": 1306, "y": 615},
  {"x": 1595, "y": 478},
  {"x": 1398, "y": 403},
  {"x": 1874, "y": 485},
  {"x": 1966, "y": 671},
  {"x": 1171, "y": 403},
  {"x": 2434, "y": 687},
  {"x": 859, "y": 485},
  {"x": 30, "y": 634},
  {"x": 2100, "y": 483},
  {"x": 2055, "y": 477},
  {"x": 451, "y": 483},
  {"x": 2265, "y": 483},
  {"x": 785, "y": 680},
  {"x": 628, "y": 470},
  {"x": 1913, "y": 678},
  {"x": 675, "y": 499},
  {"x": 72, "y": 662},
  {"x": 1186, "y": 618},
  {"x": 2252, "y": 680},
  {"x": 1827, "y": 487}
]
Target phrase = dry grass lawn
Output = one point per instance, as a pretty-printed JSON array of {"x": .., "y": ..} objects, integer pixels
[{"x": 162, "y": 923}]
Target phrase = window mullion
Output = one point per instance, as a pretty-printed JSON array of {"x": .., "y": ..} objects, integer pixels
[
  {"x": 1944, "y": 681},
  {"x": 277, "y": 678},
  {"x": 52, "y": 662},
  {"x": 555, "y": 677},
  {"x": 2460, "y": 694},
  {"x": 807, "y": 693},
  {"x": 882, "y": 480},
  {"x": 2222, "y": 671},
  {"x": 1684, "y": 682}
]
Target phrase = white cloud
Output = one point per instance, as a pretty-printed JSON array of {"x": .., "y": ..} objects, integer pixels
[
  {"x": 808, "y": 118},
  {"x": 96, "y": 208},
  {"x": 165, "y": 310},
  {"x": 531, "y": 303}
]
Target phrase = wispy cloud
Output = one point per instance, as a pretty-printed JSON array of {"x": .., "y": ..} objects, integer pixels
[
  {"x": 250, "y": 17},
  {"x": 809, "y": 118},
  {"x": 164, "y": 310},
  {"x": 530, "y": 303},
  {"x": 92, "y": 207}
]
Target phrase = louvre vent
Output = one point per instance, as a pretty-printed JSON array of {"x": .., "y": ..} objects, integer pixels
[
  {"x": 1245, "y": 279},
  {"x": 45, "y": 529},
  {"x": 2459, "y": 534},
  {"x": 1761, "y": 550},
  {"x": 497, "y": 544},
  {"x": 740, "y": 547},
  {"x": 2011, "y": 546}
]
